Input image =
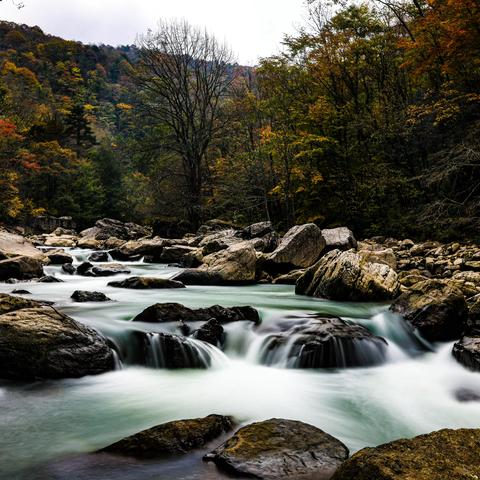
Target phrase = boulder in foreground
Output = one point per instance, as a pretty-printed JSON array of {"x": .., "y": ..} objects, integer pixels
[
  {"x": 442, "y": 455},
  {"x": 278, "y": 448},
  {"x": 40, "y": 342},
  {"x": 21, "y": 268},
  {"x": 346, "y": 276},
  {"x": 171, "y": 438},
  {"x": 143, "y": 283}
]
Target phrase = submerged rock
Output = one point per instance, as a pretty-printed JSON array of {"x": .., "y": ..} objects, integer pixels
[
  {"x": 143, "y": 283},
  {"x": 172, "y": 438},
  {"x": 442, "y": 455},
  {"x": 346, "y": 276},
  {"x": 435, "y": 307},
  {"x": 85, "y": 296},
  {"x": 280, "y": 449},
  {"x": 301, "y": 247},
  {"x": 174, "y": 312},
  {"x": 324, "y": 343},
  {"x": 40, "y": 342}
]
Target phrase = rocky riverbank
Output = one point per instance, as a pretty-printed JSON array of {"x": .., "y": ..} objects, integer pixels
[{"x": 434, "y": 287}]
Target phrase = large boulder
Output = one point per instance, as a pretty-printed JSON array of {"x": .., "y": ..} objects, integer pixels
[
  {"x": 442, "y": 455},
  {"x": 346, "y": 276},
  {"x": 13, "y": 245},
  {"x": 234, "y": 266},
  {"x": 324, "y": 342},
  {"x": 340, "y": 238},
  {"x": 172, "y": 438},
  {"x": 21, "y": 268},
  {"x": 467, "y": 350},
  {"x": 40, "y": 342},
  {"x": 175, "y": 312},
  {"x": 9, "y": 303},
  {"x": 278, "y": 448},
  {"x": 301, "y": 247},
  {"x": 143, "y": 283},
  {"x": 435, "y": 307},
  {"x": 108, "y": 227}
]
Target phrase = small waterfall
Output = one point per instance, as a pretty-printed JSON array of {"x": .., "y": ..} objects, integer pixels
[
  {"x": 117, "y": 363},
  {"x": 172, "y": 351}
]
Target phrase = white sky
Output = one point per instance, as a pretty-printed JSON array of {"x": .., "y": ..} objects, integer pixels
[{"x": 252, "y": 28}]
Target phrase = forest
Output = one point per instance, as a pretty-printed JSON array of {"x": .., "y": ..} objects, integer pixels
[{"x": 370, "y": 117}]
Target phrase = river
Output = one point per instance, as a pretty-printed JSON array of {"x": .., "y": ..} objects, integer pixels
[{"x": 47, "y": 429}]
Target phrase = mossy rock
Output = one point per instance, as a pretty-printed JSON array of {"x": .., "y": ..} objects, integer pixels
[
  {"x": 171, "y": 438},
  {"x": 442, "y": 455}
]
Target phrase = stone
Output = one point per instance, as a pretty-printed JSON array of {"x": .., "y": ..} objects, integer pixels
[
  {"x": 280, "y": 449},
  {"x": 385, "y": 256},
  {"x": 346, "y": 276},
  {"x": 289, "y": 278},
  {"x": 85, "y": 296},
  {"x": 68, "y": 268},
  {"x": 211, "y": 332},
  {"x": 9, "y": 303},
  {"x": 59, "y": 257},
  {"x": 257, "y": 230},
  {"x": 13, "y": 245},
  {"x": 66, "y": 241},
  {"x": 98, "y": 257},
  {"x": 48, "y": 224},
  {"x": 340, "y": 238},
  {"x": 324, "y": 342},
  {"x": 108, "y": 227},
  {"x": 301, "y": 247},
  {"x": 49, "y": 279},
  {"x": 172, "y": 438},
  {"x": 467, "y": 350},
  {"x": 40, "y": 342},
  {"x": 435, "y": 307},
  {"x": 443, "y": 455},
  {"x": 109, "y": 269},
  {"x": 21, "y": 268},
  {"x": 175, "y": 312},
  {"x": 143, "y": 283}
]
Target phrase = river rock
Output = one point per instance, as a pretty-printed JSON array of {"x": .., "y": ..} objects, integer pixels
[
  {"x": 467, "y": 350},
  {"x": 289, "y": 278},
  {"x": 442, "y": 455},
  {"x": 59, "y": 257},
  {"x": 143, "y": 283},
  {"x": 301, "y": 247},
  {"x": 13, "y": 245},
  {"x": 85, "y": 296},
  {"x": 175, "y": 312},
  {"x": 211, "y": 332},
  {"x": 346, "y": 276},
  {"x": 181, "y": 254},
  {"x": 98, "y": 257},
  {"x": 257, "y": 230},
  {"x": 280, "y": 449},
  {"x": 68, "y": 268},
  {"x": 64, "y": 241},
  {"x": 49, "y": 279},
  {"x": 435, "y": 307},
  {"x": 385, "y": 256},
  {"x": 340, "y": 238},
  {"x": 108, "y": 227},
  {"x": 9, "y": 303},
  {"x": 40, "y": 342},
  {"x": 328, "y": 342},
  {"x": 172, "y": 438},
  {"x": 21, "y": 268},
  {"x": 109, "y": 270}
]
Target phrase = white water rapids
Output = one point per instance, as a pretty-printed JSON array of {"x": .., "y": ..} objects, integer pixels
[{"x": 48, "y": 428}]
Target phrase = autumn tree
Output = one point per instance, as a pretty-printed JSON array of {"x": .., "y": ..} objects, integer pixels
[{"x": 184, "y": 74}]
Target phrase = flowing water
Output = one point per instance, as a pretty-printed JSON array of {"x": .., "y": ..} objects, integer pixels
[{"x": 47, "y": 429}]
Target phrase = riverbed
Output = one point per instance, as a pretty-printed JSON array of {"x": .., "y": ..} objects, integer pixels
[{"x": 49, "y": 429}]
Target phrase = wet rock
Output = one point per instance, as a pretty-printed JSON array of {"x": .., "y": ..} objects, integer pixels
[
  {"x": 172, "y": 438},
  {"x": 467, "y": 395},
  {"x": 142, "y": 283},
  {"x": 83, "y": 268},
  {"x": 289, "y": 278},
  {"x": 435, "y": 307},
  {"x": 346, "y": 276},
  {"x": 20, "y": 268},
  {"x": 20, "y": 291},
  {"x": 59, "y": 257},
  {"x": 340, "y": 238},
  {"x": 446, "y": 454},
  {"x": 181, "y": 254},
  {"x": 467, "y": 350},
  {"x": 98, "y": 257},
  {"x": 324, "y": 343},
  {"x": 40, "y": 342},
  {"x": 109, "y": 269},
  {"x": 68, "y": 268},
  {"x": 278, "y": 448},
  {"x": 301, "y": 247},
  {"x": 49, "y": 279},
  {"x": 174, "y": 312},
  {"x": 85, "y": 296},
  {"x": 212, "y": 332}
]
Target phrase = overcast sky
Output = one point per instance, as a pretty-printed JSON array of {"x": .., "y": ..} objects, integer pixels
[{"x": 253, "y": 28}]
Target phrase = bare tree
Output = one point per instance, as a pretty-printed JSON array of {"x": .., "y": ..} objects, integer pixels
[{"x": 184, "y": 74}]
